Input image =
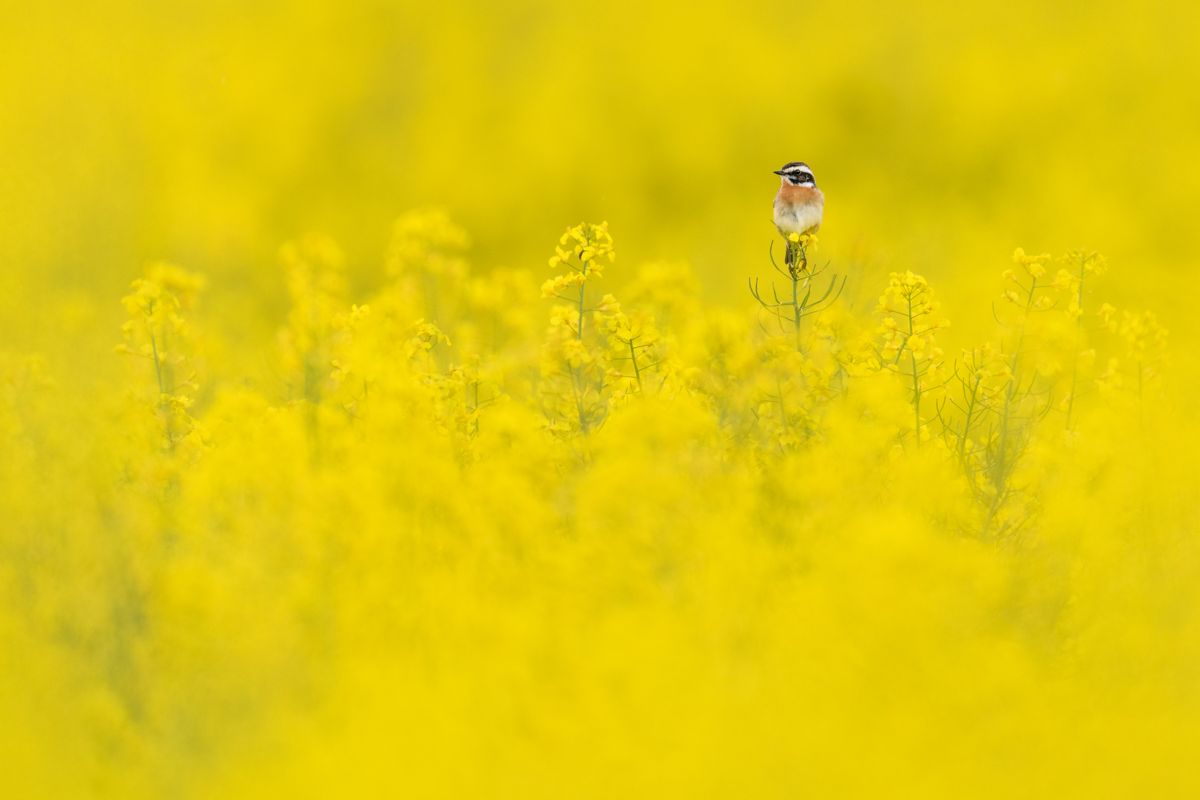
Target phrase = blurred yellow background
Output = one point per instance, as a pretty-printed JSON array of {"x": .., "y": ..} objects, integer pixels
[
  {"x": 944, "y": 134},
  {"x": 318, "y": 566}
]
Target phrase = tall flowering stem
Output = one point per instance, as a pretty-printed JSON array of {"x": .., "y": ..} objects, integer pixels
[
  {"x": 908, "y": 344},
  {"x": 635, "y": 347},
  {"x": 1030, "y": 293},
  {"x": 157, "y": 330},
  {"x": 1144, "y": 342},
  {"x": 582, "y": 253},
  {"x": 968, "y": 414},
  {"x": 801, "y": 302},
  {"x": 1080, "y": 266}
]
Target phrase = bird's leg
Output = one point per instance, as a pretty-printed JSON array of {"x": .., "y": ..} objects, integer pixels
[{"x": 789, "y": 258}]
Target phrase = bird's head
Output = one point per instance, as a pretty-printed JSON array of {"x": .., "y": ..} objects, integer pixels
[{"x": 796, "y": 173}]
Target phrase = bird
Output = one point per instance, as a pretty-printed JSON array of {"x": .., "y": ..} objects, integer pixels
[{"x": 799, "y": 205}]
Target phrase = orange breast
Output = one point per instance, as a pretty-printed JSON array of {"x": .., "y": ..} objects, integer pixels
[
  {"x": 798, "y": 209},
  {"x": 799, "y": 194}
]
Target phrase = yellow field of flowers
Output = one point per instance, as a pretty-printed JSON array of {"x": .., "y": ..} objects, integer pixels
[{"x": 411, "y": 400}]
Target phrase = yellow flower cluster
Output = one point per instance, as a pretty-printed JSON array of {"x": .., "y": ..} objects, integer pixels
[
  {"x": 582, "y": 251},
  {"x": 587, "y": 368},
  {"x": 908, "y": 339},
  {"x": 158, "y": 332},
  {"x": 436, "y": 526}
]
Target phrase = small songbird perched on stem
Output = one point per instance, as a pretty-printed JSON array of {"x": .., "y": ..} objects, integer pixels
[{"x": 798, "y": 207}]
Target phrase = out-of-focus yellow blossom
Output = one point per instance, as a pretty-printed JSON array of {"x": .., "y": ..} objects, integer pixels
[
  {"x": 427, "y": 242},
  {"x": 158, "y": 333},
  {"x": 907, "y": 341},
  {"x": 520, "y": 530},
  {"x": 400, "y": 526},
  {"x": 1144, "y": 344},
  {"x": 1034, "y": 266}
]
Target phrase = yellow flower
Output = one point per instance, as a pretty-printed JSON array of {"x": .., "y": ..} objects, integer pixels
[{"x": 1033, "y": 265}]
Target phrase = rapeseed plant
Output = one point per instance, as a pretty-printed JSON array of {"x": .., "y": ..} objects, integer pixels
[
  {"x": 576, "y": 361},
  {"x": 366, "y": 515},
  {"x": 447, "y": 536},
  {"x": 908, "y": 344},
  {"x": 158, "y": 332}
]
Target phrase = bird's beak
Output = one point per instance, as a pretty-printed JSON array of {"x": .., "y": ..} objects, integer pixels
[{"x": 779, "y": 172}]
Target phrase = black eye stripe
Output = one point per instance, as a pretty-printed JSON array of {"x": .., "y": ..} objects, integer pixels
[{"x": 797, "y": 173}]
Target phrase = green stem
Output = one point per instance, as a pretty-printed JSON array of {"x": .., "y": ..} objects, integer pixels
[
  {"x": 916, "y": 397},
  {"x": 797, "y": 311},
  {"x": 1075, "y": 361},
  {"x": 157, "y": 364},
  {"x": 583, "y": 267},
  {"x": 966, "y": 431},
  {"x": 915, "y": 374},
  {"x": 637, "y": 371}
]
